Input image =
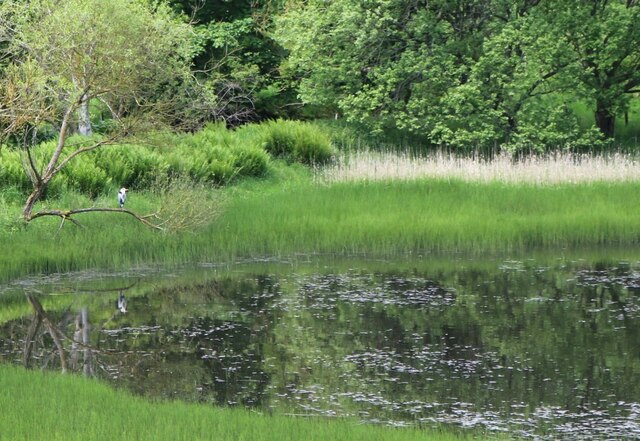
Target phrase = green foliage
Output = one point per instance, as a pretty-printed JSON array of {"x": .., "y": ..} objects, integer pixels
[
  {"x": 86, "y": 177},
  {"x": 66, "y": 53},
  {"x": 486, "y": 75},
  {"x": 251, "y": 161},
  {"x": 604, "y": 41},
  {"x": 217, "y": 155},
  {"x": 296, "y": 141},
  {"x": 542, "y": 129},
  {"x": 234, "y": 48},
  {"x": 377, "y": 218},
  {"x": 214, "y": 155},
  {"x": 129, "y": 165},
  {"x": 11, "y": 170}
]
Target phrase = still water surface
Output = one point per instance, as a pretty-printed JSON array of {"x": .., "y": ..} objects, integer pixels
[{"x": 544, "y": 351}]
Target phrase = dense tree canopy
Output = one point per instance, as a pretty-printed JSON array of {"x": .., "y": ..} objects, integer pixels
[
  {"x": 237, "y": 62},
  {"x": 603, "y": 36},
  {"x": 464, "y": 74},
  {"x": 467, "y": 73}
]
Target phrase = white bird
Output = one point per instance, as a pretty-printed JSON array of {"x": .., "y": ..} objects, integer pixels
[
  {"x": 122, "y": 196},
  {"x": 121, "y": 304}
]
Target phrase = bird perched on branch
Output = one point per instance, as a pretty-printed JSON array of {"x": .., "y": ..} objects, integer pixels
[{"x": 122, "y": 196}]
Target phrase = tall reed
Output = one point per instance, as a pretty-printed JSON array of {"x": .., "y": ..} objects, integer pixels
[{"x": 537, "y": 169}]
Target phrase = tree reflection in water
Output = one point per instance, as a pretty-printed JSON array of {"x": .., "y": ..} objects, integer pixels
[{"x": 537, "y": 350}]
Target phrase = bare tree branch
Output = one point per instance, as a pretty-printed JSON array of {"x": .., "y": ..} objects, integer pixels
[
  {"x": 67, "y": 215},
  {"x": 53, "y": 330},
  {"x": 83, "y": 150}
]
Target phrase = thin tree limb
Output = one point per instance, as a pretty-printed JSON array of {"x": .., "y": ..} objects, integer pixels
[
  {"x": 83, "y": 150},
  {"x": 67, "y": 215}
]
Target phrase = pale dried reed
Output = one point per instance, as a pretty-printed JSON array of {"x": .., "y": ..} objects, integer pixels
[{"x": 539, "y": 169}]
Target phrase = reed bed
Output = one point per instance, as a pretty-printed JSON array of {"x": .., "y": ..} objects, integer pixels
[
  {"x": 548, "y": 169},
  {"x": 462, "y": 206},
  {"x": 75, "y": 408},
  {"x": 426, "y": 216},
  {"x": 375, "y": 218}
]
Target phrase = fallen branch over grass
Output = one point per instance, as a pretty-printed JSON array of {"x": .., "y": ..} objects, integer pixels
[
  {"x": 67, "y": 215},
  {"x": 182, "y": 206}
]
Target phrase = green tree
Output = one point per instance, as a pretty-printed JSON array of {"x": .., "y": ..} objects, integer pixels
[
  {"x": 129, "y": 55},
  {"x": 408, "y": 64},
  {"x": 237, "y": 62},
  {"x": 463, "y": 74},
  {"x": 604, "y": 38}
]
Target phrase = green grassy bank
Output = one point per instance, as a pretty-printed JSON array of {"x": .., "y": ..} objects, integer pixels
[
  {"x": 74, "y": 408},
  {"x": 373, "y": 218},
  {"x": 426, "y": 216}
]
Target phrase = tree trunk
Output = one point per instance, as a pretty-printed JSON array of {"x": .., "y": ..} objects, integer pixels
[
  {"x": 34, "y": 197},
  {"x": 84, "y": 123},
  {"x": 605, "y": 119},
  {"x": 77, "y": 336},
  {"x": 51, "y": 329},
  {"x": 30, "y": 340}
]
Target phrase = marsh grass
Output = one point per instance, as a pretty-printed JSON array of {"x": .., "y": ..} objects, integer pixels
[
  {"x": 464, "y": 206},
  {"x": 547, "y": 169},
  {"x": 110, "y": 240},
  {"x": 424, "y": 216},
  {"x": 75, "y": 408}
]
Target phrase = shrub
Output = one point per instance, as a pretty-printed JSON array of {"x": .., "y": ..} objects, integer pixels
[
  {"x": 130, "y": 165},
  {"x": 296, "y": 141},
  {"x": 251, "y": 161},
  {"x": 217, "y": 155},
  {"x": 12, "y": 172},
  {"x": 85, "y": 176}
]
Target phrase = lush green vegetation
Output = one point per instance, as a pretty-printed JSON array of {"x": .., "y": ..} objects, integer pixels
[
  {"x": 478, "y": 75},
  {"x": 288, "y": 214},
  {"x": 214, "y": 156},
  {"x": 426, "y": 216},
  {"x": 95, "y": 94},
  {"x": 74, "y": 408}
]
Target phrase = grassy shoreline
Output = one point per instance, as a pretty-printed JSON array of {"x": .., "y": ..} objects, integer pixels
[
  {"x": 75, "y": 408},
  {"x": 377, "y": 218},
  {"x": 291, "y": 213}
]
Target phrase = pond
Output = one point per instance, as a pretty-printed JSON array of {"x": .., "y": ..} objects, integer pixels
[{"x": 543, "y": 350}]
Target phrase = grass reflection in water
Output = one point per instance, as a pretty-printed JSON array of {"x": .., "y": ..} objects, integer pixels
[{"x": 537, "y": 350}]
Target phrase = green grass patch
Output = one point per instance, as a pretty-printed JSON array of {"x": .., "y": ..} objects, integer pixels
[
  {"x": 427, "y": 216},
  {"x": 51, "y": 406},
  {"x": 289, "y": 214}
]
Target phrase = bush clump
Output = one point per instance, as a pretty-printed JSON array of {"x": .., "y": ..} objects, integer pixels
[
  {"x": 130, "y": 165},
  {"x": 296, "y": 141},
  {"x": 11, "y": 170},
  {"x": 215, "y": 155}
]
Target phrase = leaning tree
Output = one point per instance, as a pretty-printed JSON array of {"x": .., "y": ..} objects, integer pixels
[{"x": 61, "y": 56}]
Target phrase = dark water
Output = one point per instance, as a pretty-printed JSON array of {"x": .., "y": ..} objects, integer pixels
[{"x": 542, "y": 351}]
